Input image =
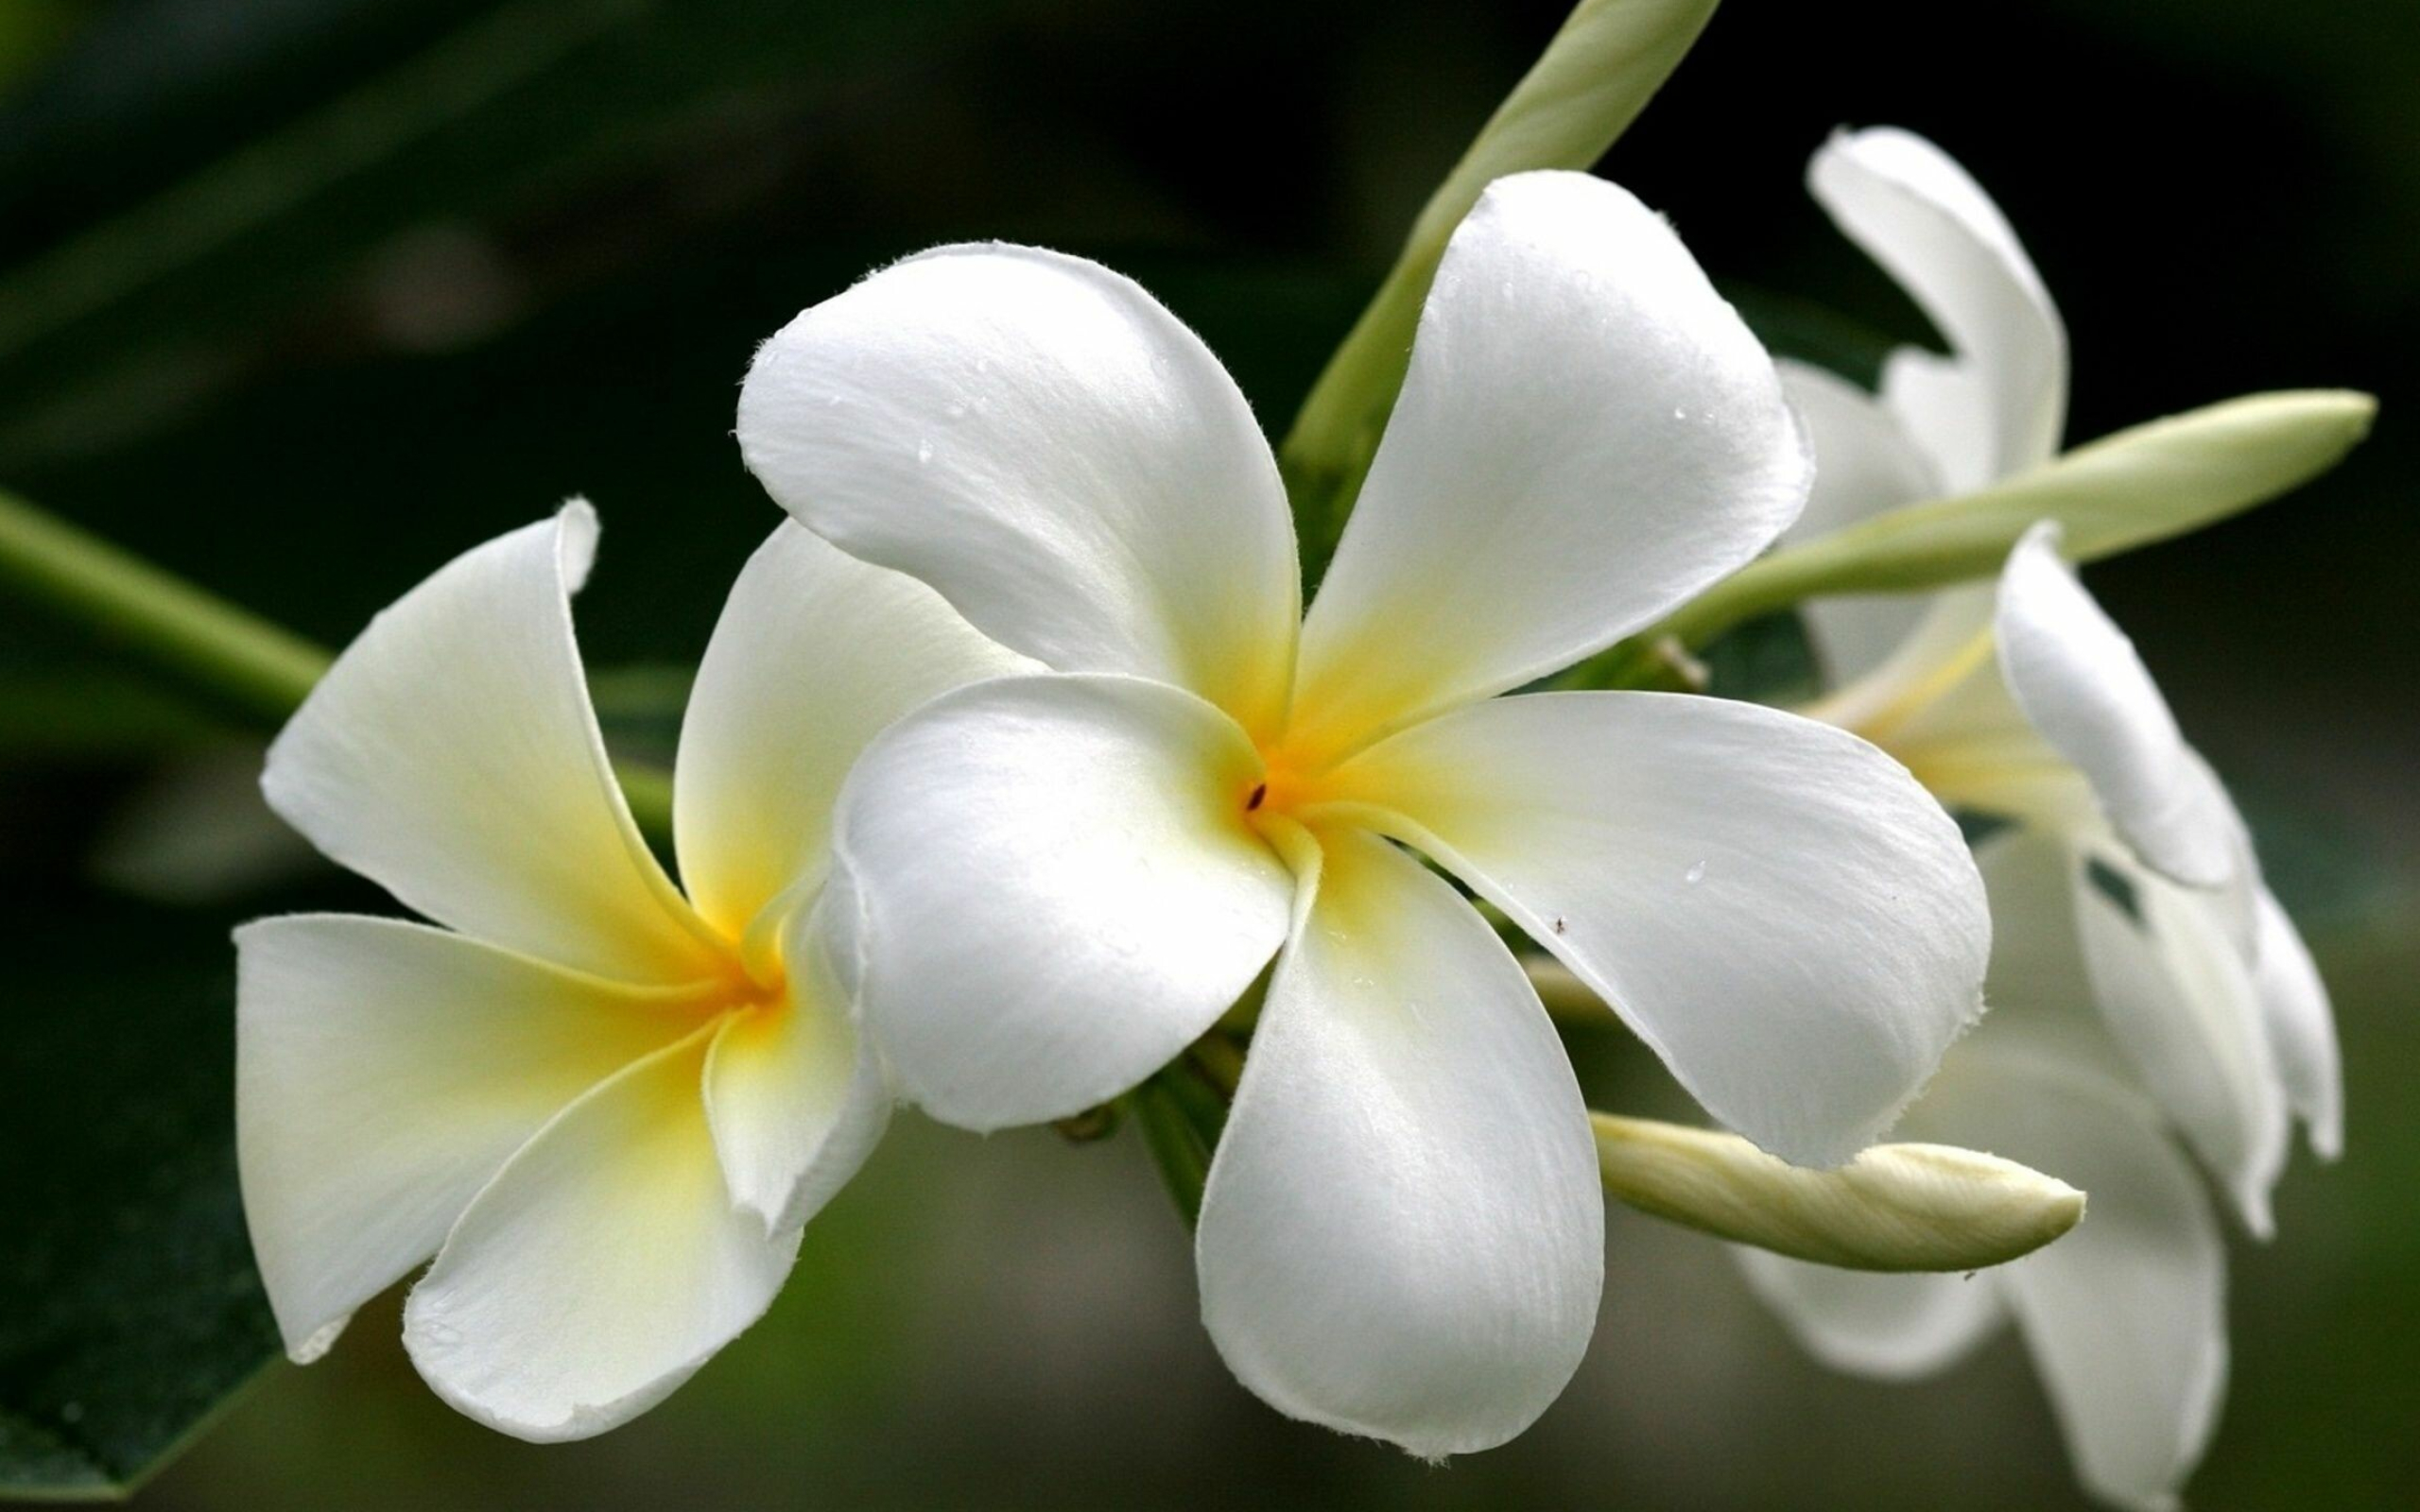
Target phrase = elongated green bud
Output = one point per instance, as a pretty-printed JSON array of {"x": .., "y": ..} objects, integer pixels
[
  {"x": 1595, "y": 77},
  {"x": 1894, "y": 1208},
  {"x": 2141, "y": 485}
]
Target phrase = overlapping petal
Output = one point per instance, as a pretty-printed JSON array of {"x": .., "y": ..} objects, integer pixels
[
  {"x": 2185, "y": 1005},
  {"x": 1864, "y": 464},
  {"x": 2301, "y": 1028},
  {"x": 601, "y": 1268},
  {"x": 1893, "y": 1328},
  {"x": 384, "y": 1071},
  {"x": 1998, "y": 403},
  {"x": 815, "y": 654},
  {"x": 1773, "y": 904},
  {"x": 2082, "y": 684},
  {"x": 1588, "y": 433},
  {"x": 1402, "y": 1234},
  {"x": 2125, "y": 1317},
  {"x": 451, "y": 755},
  {"x": 1038, "y": 439},
  {"x": 795, "y": 1095},
  {"x": 1055, "y": 890}
]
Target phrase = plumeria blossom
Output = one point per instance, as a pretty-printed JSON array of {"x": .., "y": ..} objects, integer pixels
[
  {"x": 2022, "y": 700},
  {"x": 605, "y": 1108},
  {"x": 1062, "y": 880},
  {"x": 2124, "y": 1316}
]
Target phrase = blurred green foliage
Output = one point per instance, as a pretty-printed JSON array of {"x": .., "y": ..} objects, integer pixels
[{"x": 302, "y": 297}]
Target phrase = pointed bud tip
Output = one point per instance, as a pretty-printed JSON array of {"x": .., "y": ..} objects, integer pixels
[{"x": 1894, "y": 1208}]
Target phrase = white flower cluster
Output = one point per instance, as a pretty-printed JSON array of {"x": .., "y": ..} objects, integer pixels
[{"x": 1017, "y": 764}]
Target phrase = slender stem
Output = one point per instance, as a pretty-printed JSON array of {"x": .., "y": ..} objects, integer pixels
[
  {"x": 1605, "y": 63},
  {"x": 238, "y": 662},
  {"x": 1176, "y": 1145},
  {"x": 232, "y": 656}
]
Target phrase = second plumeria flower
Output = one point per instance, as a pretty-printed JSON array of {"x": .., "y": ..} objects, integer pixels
[
  {"x": 1059, "y": 881},
  {"x": 607, "y": 1108}
]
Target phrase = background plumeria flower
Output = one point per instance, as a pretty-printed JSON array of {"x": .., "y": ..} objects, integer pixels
[
  {"x": 1063, "y": 880},
  {"x": 2124, "y": 1318},
  {"x": 606, "y": 1108},
  {"x": 2022, "y": 700}
]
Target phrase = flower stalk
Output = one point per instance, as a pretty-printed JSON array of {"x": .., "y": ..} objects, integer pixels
[
  {"x": 225, "y": 653},
  {"x": 1595, "y": 77},
  {"x": 240, "y": 663}
]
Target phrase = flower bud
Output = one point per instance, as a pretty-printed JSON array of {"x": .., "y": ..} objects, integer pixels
[
  {"x": 1894, "y": 1208},
  {"x": 2144, "y": 484}
]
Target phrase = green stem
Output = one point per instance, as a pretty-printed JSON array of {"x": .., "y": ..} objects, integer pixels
[
  {"x": 234, "y": 660},
  {"x": 1599, "y": 72},
  {"x": 1176, "y": 1145},
  {"x": 233, "y": 657}
]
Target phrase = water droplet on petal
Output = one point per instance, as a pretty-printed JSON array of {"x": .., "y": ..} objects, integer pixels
[
  {"x": 1695, "y": 874},
  {"x": 1680, "y": 413},
  {"x": 924, "y": 452}
]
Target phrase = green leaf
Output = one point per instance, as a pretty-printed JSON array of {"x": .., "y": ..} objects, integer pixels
[
  {"x": 135, "y": 1312},
  {"x": 1595, "y": 75}
]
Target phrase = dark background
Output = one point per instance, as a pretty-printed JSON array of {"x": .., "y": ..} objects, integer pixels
[{"x": 302, "y": 297}]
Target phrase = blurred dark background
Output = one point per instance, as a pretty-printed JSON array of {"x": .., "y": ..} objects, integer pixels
[{"x": 302, "y": 297}]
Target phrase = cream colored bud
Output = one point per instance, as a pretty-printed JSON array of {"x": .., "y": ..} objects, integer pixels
[{"x": 1894, "y": 1208}]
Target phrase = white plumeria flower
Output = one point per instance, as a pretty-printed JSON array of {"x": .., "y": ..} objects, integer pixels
[
  {"x": 2124, "y": 1318},
  {"x": 2022, "y": 699},
  {"x": 606, "y": 1108},
  {"x": 1063, "y": 880}
]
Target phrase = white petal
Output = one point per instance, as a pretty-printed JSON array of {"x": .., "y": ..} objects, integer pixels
[
  {"x": 2037, "y": 971},
  {"x": 1403, "y": 1233},
  {"x": 1998, "y": 405},
  {"x": 1773, "y": 904},
  {"x": 816, "y": 652},
  {"x": 1894, "y": 1328},
  {"x": 383, "y": 1072},
  {"x": 2083, "y": 687},
  {"x": 2182, "y": 1001},
  {"x": 2301, "y": 1028},
  {"x": 1056, "y": 891},
  {"x": 1940, "y": 705},
  {"x": 451, "y": 755},
  {"x": 795, "y": 1095},
  {"x": 1864, "y": 464},
  {"x": 1037, "y": 438},
  {"x": 601, "y": 1268},
  {"x": 1587, "y": 435},
  {"x": 2125, "y": 1317}
]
